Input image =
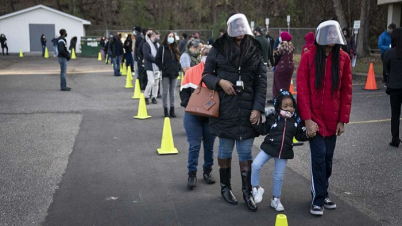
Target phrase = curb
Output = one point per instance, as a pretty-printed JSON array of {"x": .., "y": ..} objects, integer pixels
[{"x": 361, "y": 75}]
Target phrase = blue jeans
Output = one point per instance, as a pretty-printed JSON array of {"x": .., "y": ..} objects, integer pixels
[
  {"x": 56, "y": 51},
  {"x": 197, "y": 129},
  {"x": 168, "y": 85},
  {"x": 244, "y": 148},
  {"x": 129, "y": 61},
  {"x": 321, "y": 154},
  {"x": 116, "y": 65},
  {"x": 63, "y": 72},
  {"x": 280, "y": 166}
]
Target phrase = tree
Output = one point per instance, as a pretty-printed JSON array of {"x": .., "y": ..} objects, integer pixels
[
  {"x": 340, "y": 14},
  {"x": 364, "y": 19}
]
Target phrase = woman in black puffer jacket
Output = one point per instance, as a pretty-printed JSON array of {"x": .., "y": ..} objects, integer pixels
[{"x": 235, "y": 68}]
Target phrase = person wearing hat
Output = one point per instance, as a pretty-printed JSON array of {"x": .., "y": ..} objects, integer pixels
[
  {"x": 324, "y": 99},
  {"x": 284, "y": 65},
  {"x": 384, "y": 43},
  {"x": 235, "y": 70},
  {"x": 264, "y": 44}
]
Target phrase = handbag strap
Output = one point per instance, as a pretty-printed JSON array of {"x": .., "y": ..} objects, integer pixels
[{"x": 163, "y": 53}]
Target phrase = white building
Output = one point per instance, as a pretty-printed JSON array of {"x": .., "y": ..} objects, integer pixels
[
  {"x": 394, "y": 11},
  {"x": 24, "y": 28}
]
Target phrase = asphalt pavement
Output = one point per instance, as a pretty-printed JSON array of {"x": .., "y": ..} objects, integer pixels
[{"x": 79, "y": 158}]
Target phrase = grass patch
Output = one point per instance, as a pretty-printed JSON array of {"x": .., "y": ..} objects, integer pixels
[{"x": 362, "y": 64}]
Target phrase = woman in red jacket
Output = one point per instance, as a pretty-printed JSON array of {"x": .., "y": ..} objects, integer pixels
[{"x": 324, "y": 86}]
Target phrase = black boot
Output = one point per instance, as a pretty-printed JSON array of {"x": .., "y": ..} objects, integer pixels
[
  {"x": 245, "y": 170},
  {"x": 225, "y": 174},
  {"x": 208, "y": 176},
  {"x": 165, "y": 110},
  {"x": 395, "y": 142},
  {"x": 154, "y": 101},
  {"x": 147, "y": 101},
  {"x": 192, "y": 180},
  {"x": 172, "y": 114}
]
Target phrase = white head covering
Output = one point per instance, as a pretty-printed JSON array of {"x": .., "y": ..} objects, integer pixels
[
  {"x": 238, "y": 25},
  {"x": 330, "y": 32}
]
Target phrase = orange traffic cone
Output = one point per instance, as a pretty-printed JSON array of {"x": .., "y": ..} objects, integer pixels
[
  {"x": 370, "y": 82},
  {"x": 291, "y": 89},
  {"x": 142, "y": 109},
  {"x": 167, "y": 144}
]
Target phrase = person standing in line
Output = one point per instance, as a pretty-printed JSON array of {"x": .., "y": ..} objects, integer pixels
[
  {"x": 197, "y": 127},
  {"x": 128, "y": 46},
  {"x": 393, "y": 68},
  {"x": 3, "y": 42},
  {"x": 116, "y": 51},
  {"x": 138, "y": 39},
  {"x": 309, "y": 37},
  {"x": 168, "y": 60},
  {"x": 324, "y": 99},
  {"x": 73, "y": 44},
  {"x": 183, "y": 43},
  {"x": 149, "y": 49},
  {"x": 54, "y": 41},
  {"x": 63, "y": 57},
  {"x": 284, "y": 65},
  {"x": 350, "y": 47},
  {"x": 384, "y": 43},
  {"x": 271, "y": 48},
  {"x": 191, "y": 56},
  {"x": 235, "y": 69},
  {"x": 102, "y": 44},
  {"x": 264, "y": 44},
  {"x": 43, "y": 43}
]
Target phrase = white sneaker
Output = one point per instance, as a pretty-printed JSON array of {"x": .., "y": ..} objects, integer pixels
[
  {"x": 276, "y": 204},
  {"x": 257, "y": 193},
  {"x": 132, "y": 73}
]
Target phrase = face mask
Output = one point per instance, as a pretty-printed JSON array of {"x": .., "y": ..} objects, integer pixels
[
  {"x": 170, "y": 40},
  {"x": 156, "y": 39},
  {"x": 66, "y": 34},
  {"x": 134, "y": 33},
  {"x": 286, "y": 114},
  {"x": 203, "y": 59},
  {"x": 196, "y": 52}
]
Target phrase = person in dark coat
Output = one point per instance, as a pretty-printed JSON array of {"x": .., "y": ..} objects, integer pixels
[
  {"x": 128, "y": 48},
  {"x": 73, "y": 44},
  {"x": 235, "y": 68},
  {"x": 3, "y": 42},
  {"x": 271, "y": 49},
  {"x": 43, "y": 43},
  {"x": 116, "y": 51},
  {"x": 63, "y": 57},
  {"x": 168, "y": 60},
  {"x": 350, "y": 47},
  {"x": 264, "y": 44},
  {"x": 102, "y": 44},
  {"x": 284, "y": 65},
  {"x": 280, "y": 127},
  {"x": 183, "y": 43},
  {"x": 393, "y": 68}
]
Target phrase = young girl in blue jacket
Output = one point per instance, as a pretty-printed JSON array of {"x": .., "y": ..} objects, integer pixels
[{"x": 281, "y": 126}]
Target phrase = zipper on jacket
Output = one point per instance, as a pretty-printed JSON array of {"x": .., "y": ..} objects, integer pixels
[
  {"x": 323, "y": 91},
  {"x": 283, "y": 139}
]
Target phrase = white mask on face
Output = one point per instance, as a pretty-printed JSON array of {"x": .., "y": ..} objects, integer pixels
[
  {"x": 203, "y": 59},
  {"x": 170, "y": 40}
]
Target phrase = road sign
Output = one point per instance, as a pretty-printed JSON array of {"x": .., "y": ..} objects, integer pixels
[
  {"x": 288, "y": 18},
  {"x": 356, "y": 24}
]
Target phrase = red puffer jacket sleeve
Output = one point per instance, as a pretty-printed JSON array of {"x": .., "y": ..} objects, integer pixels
[
  {"x": 303, "y": 90},
  {"x": 345, "y": 90}
]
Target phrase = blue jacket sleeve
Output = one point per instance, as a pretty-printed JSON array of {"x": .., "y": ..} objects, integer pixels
[{"x": 382, "y": 45}]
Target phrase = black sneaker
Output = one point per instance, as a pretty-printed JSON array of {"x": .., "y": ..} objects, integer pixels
[
  {"x": 317, "y": 210},
  {"x": 66, "y": 89},
  {"x": 154, "y": 101},
  {"x": 147, "y": 101},
  {"x": 192, "y": 181},
  {"x": 208, "y": 178},
  {"x": 395, "y": 143},
  {"x": 328, "y": 204}
]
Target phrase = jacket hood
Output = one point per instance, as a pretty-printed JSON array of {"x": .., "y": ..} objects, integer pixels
[{"x": 309, "y": 38}]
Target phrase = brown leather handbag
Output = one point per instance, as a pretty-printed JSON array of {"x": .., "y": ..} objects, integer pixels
[{"x": 203, "y": 102}]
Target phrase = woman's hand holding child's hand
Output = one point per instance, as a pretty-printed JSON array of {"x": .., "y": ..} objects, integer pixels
[
  {"x": 255, "y": 117},
  {"x": 312, "y": 128}
]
